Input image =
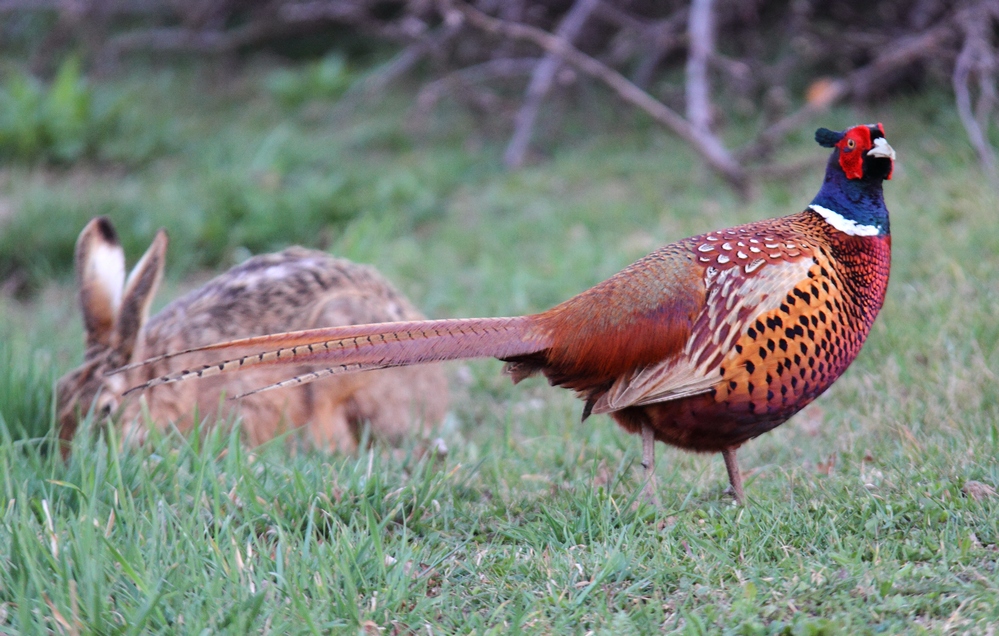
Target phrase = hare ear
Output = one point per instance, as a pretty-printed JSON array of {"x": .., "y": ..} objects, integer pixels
[
  {"x": 100, "y": 276},
  {"x": 139, "y": 291}
]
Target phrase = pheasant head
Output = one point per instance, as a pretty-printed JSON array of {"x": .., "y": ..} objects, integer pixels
[{"x": 851, "y": 198}]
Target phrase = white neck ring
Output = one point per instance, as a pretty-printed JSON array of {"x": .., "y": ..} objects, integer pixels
[{"x": 843, "y": 224}]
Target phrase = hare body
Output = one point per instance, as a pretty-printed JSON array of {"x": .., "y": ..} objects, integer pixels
[{"x": 287, "y": 291}]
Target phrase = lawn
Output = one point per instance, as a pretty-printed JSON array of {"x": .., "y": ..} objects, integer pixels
[{"x": 859, "y": 517}]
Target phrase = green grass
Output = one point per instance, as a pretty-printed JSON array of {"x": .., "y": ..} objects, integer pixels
[{"x": 857, "y": 520}]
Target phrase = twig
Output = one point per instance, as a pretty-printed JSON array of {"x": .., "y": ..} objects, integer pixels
[
  {"x": 835, "y": 91},
  {"x": 540, "y": 84},
  {"x": 700, "y": 50},
  {"x": 901, "y": 53},
  {"x": 715, "y": 154},
  {"x": 181, "y": 39},
  {"x": 646, "y": 68},
  {"x": 700, "y": 29},
  {"x": 976, "y": 57},
  {"x": 431, "y": 93},
  {"x": 660, "y": 37},
  {"x": 376, "y": 81}
]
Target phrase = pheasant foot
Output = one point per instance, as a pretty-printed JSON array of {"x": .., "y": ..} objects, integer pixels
[{"x": 734, "y": 477}]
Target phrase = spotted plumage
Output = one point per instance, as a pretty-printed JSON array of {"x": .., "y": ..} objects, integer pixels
[
  {"x": 772, "y": 336},
  {"x": 703, "y": 344}
]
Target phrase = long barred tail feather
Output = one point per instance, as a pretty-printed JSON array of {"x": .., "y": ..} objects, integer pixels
[
  {"x": 312, "y": 376},
  {"x": 363, "y": 347},
  {"x": 291, "y": 339}
]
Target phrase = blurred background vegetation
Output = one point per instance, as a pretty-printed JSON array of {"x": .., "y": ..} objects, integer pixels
[
  {"x": 122, "y": 90},
  {"x": 730, "y": 78}
]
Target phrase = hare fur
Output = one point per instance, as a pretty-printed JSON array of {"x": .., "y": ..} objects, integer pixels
[{"x": 287, "y": 291}]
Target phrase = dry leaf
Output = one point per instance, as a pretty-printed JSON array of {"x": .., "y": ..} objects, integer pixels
[
  {"x": 822, "y": 92},
  {"x": 977, "y": 490}
]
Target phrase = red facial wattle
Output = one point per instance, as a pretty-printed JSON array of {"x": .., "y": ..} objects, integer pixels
[
  {"x": 852, "y": 148},
  {"x": 855, "y": 145}
]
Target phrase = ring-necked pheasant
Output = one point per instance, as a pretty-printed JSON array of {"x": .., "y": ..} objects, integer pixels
[{"x": 703, "y": 344}]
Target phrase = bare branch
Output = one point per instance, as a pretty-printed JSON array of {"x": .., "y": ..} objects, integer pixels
[
  {"x": 375, "y": 81},
  {"x": 700, "y": 29},
  {"x": 431, "y": 93},
  {"x": 976, "y": 57},
  {"x": 188, "y": 40},
  {"x": 716, "y": 155},
  {"x": 901, "y": 53},
  {"x": 622, "y": 19},
  {"x": 665, "y": 37},
  {"x": 541, "y": 81},
  {"x": 832, "y": 93}
]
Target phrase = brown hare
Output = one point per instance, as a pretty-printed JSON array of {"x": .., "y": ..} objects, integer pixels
[{"x": 288, "y": 291}]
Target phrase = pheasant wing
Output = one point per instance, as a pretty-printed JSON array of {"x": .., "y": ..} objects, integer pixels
[{"x": 735, "y": 300}]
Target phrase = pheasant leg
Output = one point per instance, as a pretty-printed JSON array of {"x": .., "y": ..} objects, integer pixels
[
  {"x": 734, "y": 477},
  {"x": 649, "y": 463}
]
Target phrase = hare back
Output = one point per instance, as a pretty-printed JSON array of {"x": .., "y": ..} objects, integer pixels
[{"x": 288, "y": 291}]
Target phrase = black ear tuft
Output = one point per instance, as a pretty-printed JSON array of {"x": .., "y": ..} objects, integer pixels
[
  {"x": 106, "y": 229},
  {"x": 828, "y": 138}
]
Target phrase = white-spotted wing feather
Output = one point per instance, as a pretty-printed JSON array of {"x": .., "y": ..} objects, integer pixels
[{"x": 695, "y": 370}]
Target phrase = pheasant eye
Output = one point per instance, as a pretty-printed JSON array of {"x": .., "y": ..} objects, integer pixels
[{"x": 851, "y": 144}]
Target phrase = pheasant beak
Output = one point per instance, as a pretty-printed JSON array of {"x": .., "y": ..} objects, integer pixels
[{"x": 882, "y": 149}]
